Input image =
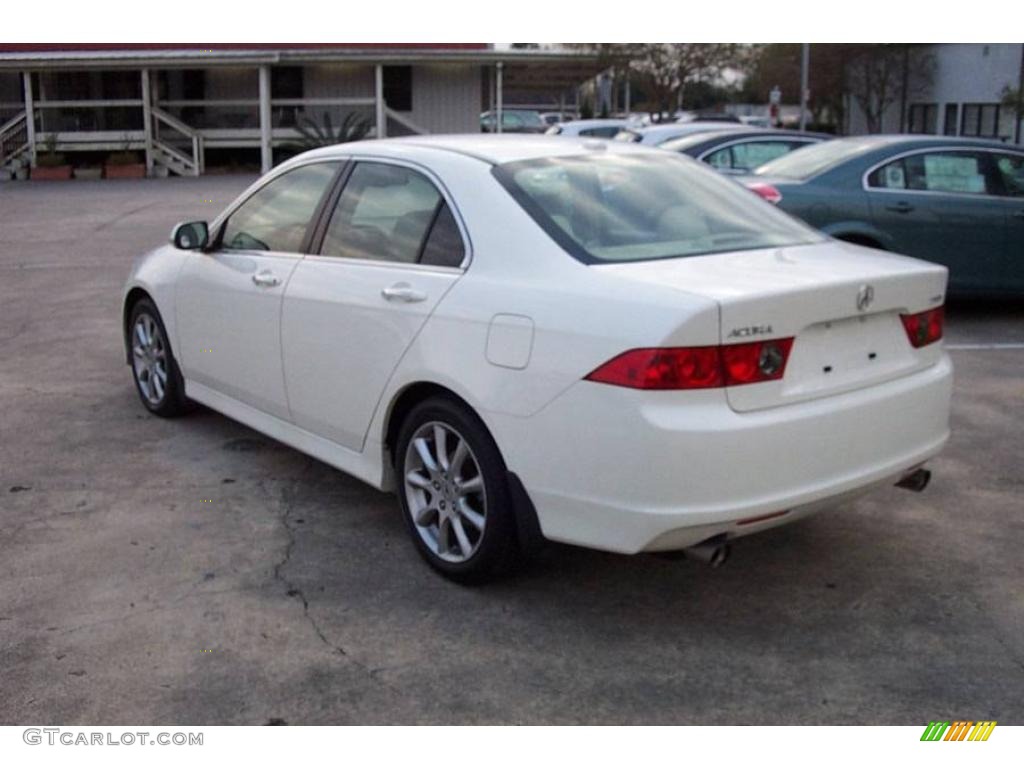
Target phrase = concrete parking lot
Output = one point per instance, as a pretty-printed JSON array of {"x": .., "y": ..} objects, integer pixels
[{"x": 193, "y": 571}]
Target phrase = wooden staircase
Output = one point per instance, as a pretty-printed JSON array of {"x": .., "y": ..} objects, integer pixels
[
  {"x": 176, "y": 147},
  {"x": 15, "y": 151}
]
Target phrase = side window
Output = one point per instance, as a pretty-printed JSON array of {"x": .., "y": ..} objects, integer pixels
[
  {"x": 891, "y": 176},
  {"x": 751, "y": 154},
  {"x": 384, "y": 213},
  {"x": 954, "y": 172},
  {"x": 276, "y": 217},
  {"x": 604, "y": 132},
  {"x": 960, "y": 172},
  {"x": 444, "y": 246},
  {"x": 720, "y": 158},
  {"x": 1011, "y": 171}
]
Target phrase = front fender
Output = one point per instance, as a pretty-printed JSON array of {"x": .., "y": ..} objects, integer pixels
[{"x": 156, "y": 273}]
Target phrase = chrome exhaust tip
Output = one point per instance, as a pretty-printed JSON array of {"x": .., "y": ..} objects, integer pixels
[
  {"x": 915, "y": 481},
  {"x": 714, "y": 552}
]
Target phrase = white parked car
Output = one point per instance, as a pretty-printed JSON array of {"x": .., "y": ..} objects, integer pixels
[
  {"x": 584, "y": 341},
  {"x": 659, "y": 133},
  {"x": 601, "y": 128}
]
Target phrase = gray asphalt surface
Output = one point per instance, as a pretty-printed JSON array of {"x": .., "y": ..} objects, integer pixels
[{"x": 191, "y": 571}]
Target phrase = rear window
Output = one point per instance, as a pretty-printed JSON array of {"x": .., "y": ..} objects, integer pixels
[
  {"x": 608, "y": 208},
  {"x": 816, "y": 159}
]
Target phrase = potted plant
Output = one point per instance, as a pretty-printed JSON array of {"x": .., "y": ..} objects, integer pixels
[
  {"x": 50, "y": 164},
  {"x": 124, "y": 165},
  {"x": 89, "y": 172}
]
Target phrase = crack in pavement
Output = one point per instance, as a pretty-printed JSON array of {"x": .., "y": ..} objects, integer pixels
[{"x": 289, "y": 501}]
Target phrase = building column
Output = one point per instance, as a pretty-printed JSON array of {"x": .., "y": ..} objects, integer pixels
[
  {"x": 499, "y": 96},
  {"x": 30, "y": 116},
  {"x": 147, "y": 120},
  {"x": 266, "y": 134},
  {"x": 627, "y": 105},
  {"x": 380, "y": 116}
]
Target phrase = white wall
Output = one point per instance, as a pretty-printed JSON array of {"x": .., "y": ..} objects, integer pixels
[
  {"x": 963, "y": 73},
  {"x": 446, "y": 98}
]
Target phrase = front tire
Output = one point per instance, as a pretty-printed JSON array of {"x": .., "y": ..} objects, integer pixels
[
  {"x": 453, "y": 487},
  {"x": 157, "y": 377}
]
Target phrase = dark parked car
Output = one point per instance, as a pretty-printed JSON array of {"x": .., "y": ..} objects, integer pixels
[
  {"x": 742, "y": 150},
  {"x": 957, "y": 202},
  {"x": 513, "y": 121}
]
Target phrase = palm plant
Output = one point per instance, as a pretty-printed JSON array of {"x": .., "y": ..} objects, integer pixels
[{"x": 312, "y": 134}]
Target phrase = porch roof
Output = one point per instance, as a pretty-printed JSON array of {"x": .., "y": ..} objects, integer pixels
[{"x": 553, "y": 68}]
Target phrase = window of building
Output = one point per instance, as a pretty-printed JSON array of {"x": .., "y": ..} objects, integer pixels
[
  {"x": 286, "y": 82},
  {"x": 949, "y": 122},
  {"x": 985, "y": 121},
  {"x": 398, "y": 88},
  {"x": 923, "y": 118}
]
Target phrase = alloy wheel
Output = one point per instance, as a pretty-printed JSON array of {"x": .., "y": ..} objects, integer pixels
[
  {"x": 445, "y": 492},
  {"x": 149, "y": 359}
]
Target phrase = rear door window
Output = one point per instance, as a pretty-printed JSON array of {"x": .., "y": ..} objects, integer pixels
[
  {"x": 392, "y": 213},
  {"x": 952, "y": 172},
  {"x": 749, "y": 155}
]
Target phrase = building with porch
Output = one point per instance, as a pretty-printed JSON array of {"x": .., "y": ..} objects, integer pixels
[{"x": 184, "y": 106}]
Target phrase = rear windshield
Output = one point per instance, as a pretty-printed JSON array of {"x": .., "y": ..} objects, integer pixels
[
  {"x": 816, "y": 159},
  {"x": 683, "y": 143},
  {"x": 609, "y": 208}
]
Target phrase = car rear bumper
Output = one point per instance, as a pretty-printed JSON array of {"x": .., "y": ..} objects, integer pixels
[{"x": 629, "y": 471}]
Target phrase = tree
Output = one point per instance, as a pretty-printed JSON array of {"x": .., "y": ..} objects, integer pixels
[
  {"x": 1013, "y": 98},
  {"x": 778, "y": 64},
  {"x": 663, "y": 70},
  {"x": 878, "y": 76}
]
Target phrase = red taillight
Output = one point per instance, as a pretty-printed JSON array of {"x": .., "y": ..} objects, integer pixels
[
  {"x": 696, "y": 367},
  {"x": 924, "y": 327},
  {"x": 765, "y": 191},
  {"x": 756, "y": 361},
  {"x": 670, "y": 368}
]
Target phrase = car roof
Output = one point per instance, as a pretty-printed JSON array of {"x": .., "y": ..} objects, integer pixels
[
  {"x": 492, "y": 148},
  {"x": 695, "y": 126},
  {"x": 598, "y": 122},
  {"x": 914, "y": 141}
]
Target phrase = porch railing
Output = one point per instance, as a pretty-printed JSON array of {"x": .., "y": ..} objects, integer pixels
[
  {"x": 14, "y": 139},
  {"x": 177, "y": 145}
]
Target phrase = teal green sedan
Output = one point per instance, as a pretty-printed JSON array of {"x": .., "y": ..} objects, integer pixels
[{"x": 956, "y": 202}]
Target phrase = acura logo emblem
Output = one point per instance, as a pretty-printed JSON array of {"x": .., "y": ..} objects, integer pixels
[{"x": 865, "y": 295}]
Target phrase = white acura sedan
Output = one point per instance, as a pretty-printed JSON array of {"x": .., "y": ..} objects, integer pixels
[{"x": 583, "y": 341}]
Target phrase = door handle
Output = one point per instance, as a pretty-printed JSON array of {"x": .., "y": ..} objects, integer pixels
[
  {"x": 265, "y": 279},
  {"x": 900, "y": 207},
  {"x": 402, "y": 292}
]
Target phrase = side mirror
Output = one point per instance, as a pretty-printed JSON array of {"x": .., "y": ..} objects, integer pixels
[{"x": 191, "y": 235}]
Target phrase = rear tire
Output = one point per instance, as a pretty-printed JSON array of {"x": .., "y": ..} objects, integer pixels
[
  {"x": 453, "y": 488},
  {"x": 157, "y": 377}
]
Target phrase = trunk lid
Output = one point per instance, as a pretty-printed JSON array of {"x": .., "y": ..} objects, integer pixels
[{"x": 811, "y": 293}]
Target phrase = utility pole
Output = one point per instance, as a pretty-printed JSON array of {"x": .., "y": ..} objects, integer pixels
[{"x": 805, "y": 64}]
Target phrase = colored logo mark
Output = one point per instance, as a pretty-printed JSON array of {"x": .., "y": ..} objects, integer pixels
[{"x": 960, "y": 730}]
